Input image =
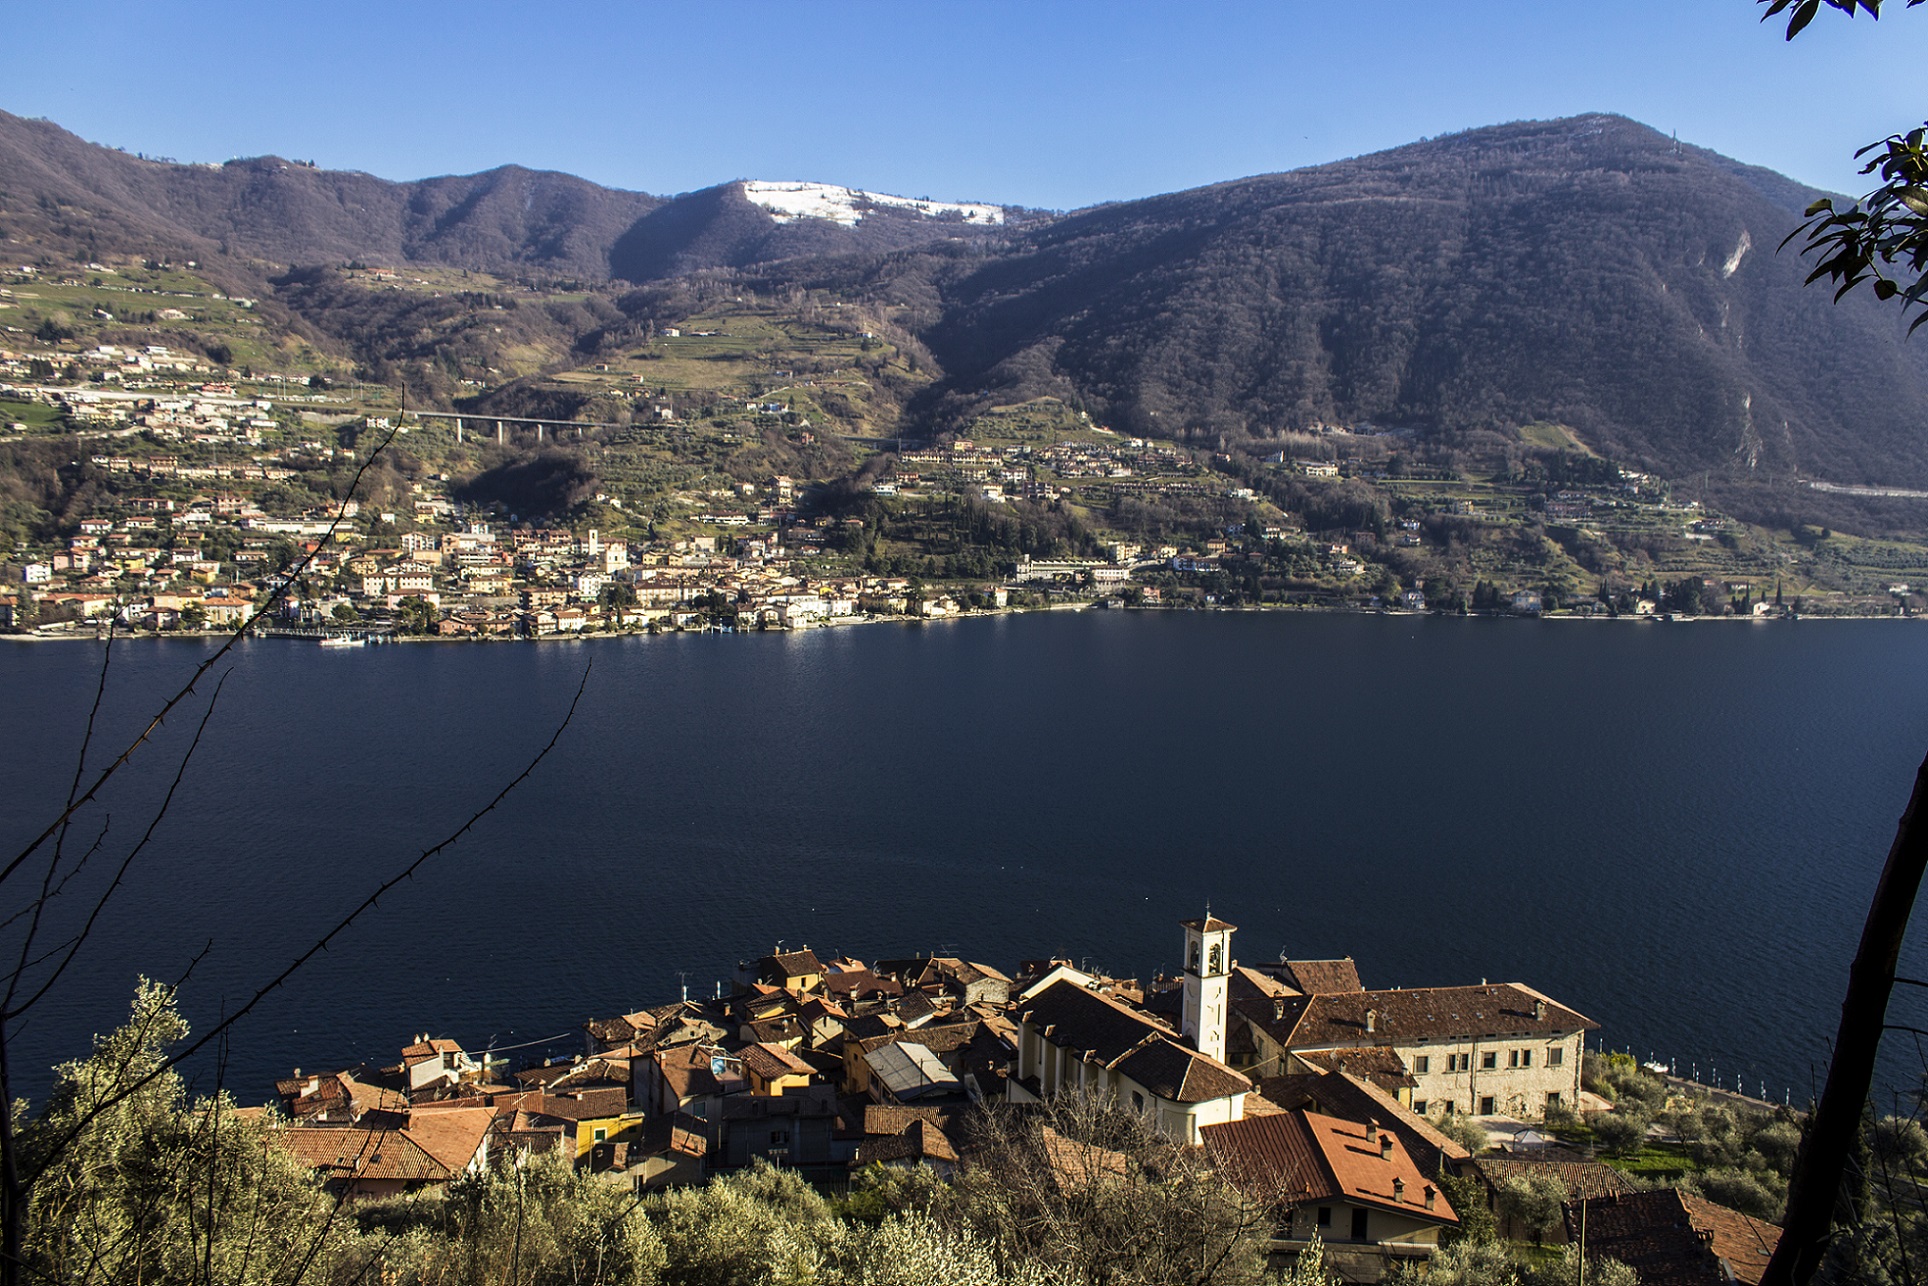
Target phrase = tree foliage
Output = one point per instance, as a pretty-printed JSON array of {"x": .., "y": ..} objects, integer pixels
[{"x": 1882, "y": 239}]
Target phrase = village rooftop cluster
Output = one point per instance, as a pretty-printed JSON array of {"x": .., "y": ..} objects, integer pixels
[{"x": 1319, "y": 1098}]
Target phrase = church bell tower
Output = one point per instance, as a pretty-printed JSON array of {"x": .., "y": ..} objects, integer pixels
[{"x": 1208, "y": 970}]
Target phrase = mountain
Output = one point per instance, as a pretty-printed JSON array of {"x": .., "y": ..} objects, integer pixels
[
  {"x": 1588, "y": 272},
  {"x": 75, "y": 195},
  {"x": 752, "y": 222},
  {"x": 91, "y": 202}
]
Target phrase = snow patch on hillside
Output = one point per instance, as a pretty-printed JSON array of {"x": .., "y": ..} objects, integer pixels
[{"x": 787, "y": 202}]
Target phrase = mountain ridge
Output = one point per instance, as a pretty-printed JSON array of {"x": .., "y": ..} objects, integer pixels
[{"x": 1587, "y": 271}]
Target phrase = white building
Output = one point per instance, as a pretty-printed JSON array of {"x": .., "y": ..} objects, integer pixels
[{"x": 1072, "y": 1039}]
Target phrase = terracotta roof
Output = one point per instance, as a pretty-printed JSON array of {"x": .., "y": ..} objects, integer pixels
[
  {"x": 1588, "y": 1180},
  {"x": 1131, "y": 1042},
  {"x": 582, "y": 1106},
  {"x": 920, "y": 1141},
  {"x": 881, "y": 1119},
  {"x": 678, "y": 1134},
  {"x": 773, "y": 1061},
  {"x": 1316, "y": 977},
  {"x": 860, "y": 983},
  {"x": 1670, "y": 1238},
  {"x": 347, "y": 1152},
  {"x": 612, "y": 1031},
  {"x": 1304, "y": 1156},
  {"x": 1072, "y": 1016},
  {"x": 1180, "y": 1075},
  {"x": 776, "y": 1029},
  {"x": 421, "y": 1051},
  {"x": 1263, "y": 984},
  {"x": 337, "y": 1092},
  {"x": 1270, "y": 1158},
  {"x": 1209, "y": 924},
  {"x": 1415, "y": 1015},
  {"x": 452, "y": 1136},
  {"x": 1076, "y": 1166},
  {"x": 1351, "y": 1098},
  {"x": 938, "y": 1038},
  {"x": 686, "y": 1069},
  {"x": 790, "y": 964},
  {"x": 1742, "y": 1241},
  {"x": 1376, "y": 1063}
]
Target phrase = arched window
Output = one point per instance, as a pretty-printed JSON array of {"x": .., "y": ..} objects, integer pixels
[
  {"x": 1218, "y": 957},
  {"x": 1194, "y": 957}
]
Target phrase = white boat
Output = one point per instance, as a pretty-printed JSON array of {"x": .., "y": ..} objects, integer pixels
[{"x": 333, "y": 640}]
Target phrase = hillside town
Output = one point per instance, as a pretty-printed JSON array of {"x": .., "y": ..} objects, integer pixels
[
  {"x": 1329, "y": 1104},
  {"x": 200, "y": 534}
]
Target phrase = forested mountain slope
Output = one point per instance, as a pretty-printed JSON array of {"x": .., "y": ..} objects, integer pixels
[{"x": 1588, "y": 272}]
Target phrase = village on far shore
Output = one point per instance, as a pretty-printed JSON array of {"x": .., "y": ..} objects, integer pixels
[
  {"x": 177, "y": 494},
  {"x": 1330, "y": 1104}
]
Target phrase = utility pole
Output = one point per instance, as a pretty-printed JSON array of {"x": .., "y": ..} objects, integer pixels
[{"x": 1582, "y": 1257}]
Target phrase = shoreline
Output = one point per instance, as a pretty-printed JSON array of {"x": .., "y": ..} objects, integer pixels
[{"x": 96, "y": 636}]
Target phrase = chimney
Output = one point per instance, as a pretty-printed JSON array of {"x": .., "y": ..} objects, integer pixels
[
  {"x": 1539, "y": 1011},
  {"x": 1372, "y": 1130},
  {"x": 1398, "y": 1188},
  {"x": 1278, "y": 1011},
  {"x": 1430, "y": 1194},
  {"x": 1372, "y": 1020},
  {"x": 1385, "y": 1147}
]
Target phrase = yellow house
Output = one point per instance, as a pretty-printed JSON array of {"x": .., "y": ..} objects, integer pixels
[
  {"x": 773, "y": 1069},
  {"x": 594, "y": 1130}
]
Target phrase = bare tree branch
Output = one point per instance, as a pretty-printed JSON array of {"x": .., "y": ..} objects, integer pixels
[{"x": 187, "y": 689}]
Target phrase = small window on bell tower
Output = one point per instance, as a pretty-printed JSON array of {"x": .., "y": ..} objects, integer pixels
[{"x": 1217, "y": 958}]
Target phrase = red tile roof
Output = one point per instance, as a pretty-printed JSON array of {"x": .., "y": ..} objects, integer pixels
[
  {"x": 1321, "y": 976},
  {"x": 1672, "y": 1238},
  {"x": 1294, "y": 1157},
  {"x": 1410, "y": 1016}
]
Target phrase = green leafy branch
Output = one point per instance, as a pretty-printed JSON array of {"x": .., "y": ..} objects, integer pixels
[
  {"x": 1804, "y": 10},
  {"x": 1883, "y": 237}
]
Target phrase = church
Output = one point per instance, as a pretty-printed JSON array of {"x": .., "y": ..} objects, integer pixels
[
  {"x": 1072, "y": 1037},
  {"x": 1492, "y": 1050}
]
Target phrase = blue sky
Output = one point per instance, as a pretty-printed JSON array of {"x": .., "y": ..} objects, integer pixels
[{"x": 1055, "y": 104}]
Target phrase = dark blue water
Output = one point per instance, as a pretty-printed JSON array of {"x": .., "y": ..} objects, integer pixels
[{"x": 1674, "y": 829}]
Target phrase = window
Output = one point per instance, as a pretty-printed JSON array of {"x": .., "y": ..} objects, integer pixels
[
  {"x": 1526, "y": 1058},
  {"x": 779, "y": 1136},
  {"x": 1556, "y": 1056},
  {"x": 1553, "y": 1100},
  {"x": 1486, "y": 1105},
  {"x": 1490, "y": 1060},
  {"x": 1422, "y": 1064},
  {"x": 601, "y": 1134},
  {"x": 1419, "y": 1107},
  {"x": 1325, "y": 1216},
  {"x": 1137, "y": 1101},
  {"x": 1358, "y": 1224},
  {"x": 1512, "y": 1058}
]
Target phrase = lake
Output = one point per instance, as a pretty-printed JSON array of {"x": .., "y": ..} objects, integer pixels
[{"x": 1673, "y": 828}]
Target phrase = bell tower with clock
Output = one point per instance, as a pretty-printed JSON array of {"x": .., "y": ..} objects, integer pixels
[{"x": 1208, "y": 971}]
